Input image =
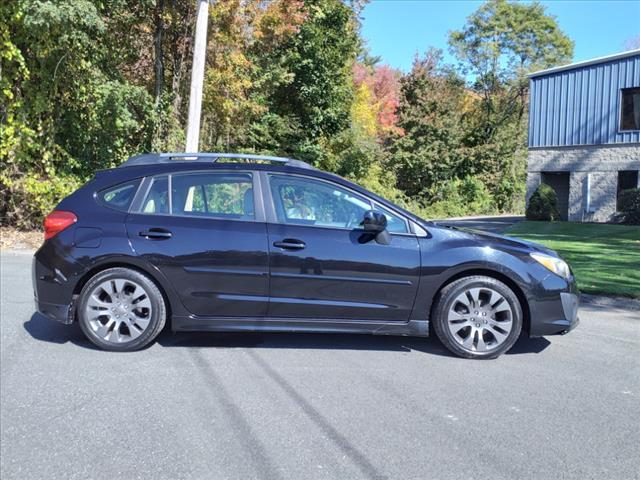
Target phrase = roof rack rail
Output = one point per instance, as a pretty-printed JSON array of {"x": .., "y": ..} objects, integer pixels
[{"x": 155, "y": 158}]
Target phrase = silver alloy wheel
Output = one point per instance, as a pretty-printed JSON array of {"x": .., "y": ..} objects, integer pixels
[
  {"x": 480, "y": 319},
  {"x": 118, "y": 310}
]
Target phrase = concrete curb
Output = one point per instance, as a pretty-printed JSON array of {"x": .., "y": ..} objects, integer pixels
[{"x": 17, "y": 251}]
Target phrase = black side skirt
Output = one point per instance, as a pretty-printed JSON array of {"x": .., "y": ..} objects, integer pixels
[{"x": 417, "y": 328}]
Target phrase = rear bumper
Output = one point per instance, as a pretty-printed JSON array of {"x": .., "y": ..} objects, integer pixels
[
  {"x": 60, "y": 313},
  {"x": 53, "y": 288}
]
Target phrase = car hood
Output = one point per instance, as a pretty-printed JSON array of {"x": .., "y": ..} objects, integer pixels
[{"x": 495, "y": 239}]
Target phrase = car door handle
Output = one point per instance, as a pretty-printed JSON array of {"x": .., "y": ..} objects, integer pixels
[
  {"x": 156, "y": 233},
  {"x": 290, "y": 244}
]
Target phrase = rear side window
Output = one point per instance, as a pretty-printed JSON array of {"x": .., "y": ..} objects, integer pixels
[
  {"x": 219, "y": 195},
  {"x": 120, "y": 196},
  {"x": 214, "y": 195}
]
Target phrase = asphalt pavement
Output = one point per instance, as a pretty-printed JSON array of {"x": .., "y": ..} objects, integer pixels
[{"x": 298, "y": 406}]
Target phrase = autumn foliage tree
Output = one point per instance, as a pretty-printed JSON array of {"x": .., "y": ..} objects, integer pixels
[
  {"x": 238, "y": 79},
  {"x": 378, "y": 87}
]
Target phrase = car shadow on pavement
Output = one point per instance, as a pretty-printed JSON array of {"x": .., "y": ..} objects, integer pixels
[
  {"x": 45, "y": 330},
  {"x": 332, "y": 341}
]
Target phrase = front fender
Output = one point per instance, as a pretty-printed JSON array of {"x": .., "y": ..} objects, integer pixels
[{"x": 446, "y": 259}]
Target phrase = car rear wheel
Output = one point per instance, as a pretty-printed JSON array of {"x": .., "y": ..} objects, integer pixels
[
  {"x": 120, "y": 309},
  {"x": 477, "y": 317}
]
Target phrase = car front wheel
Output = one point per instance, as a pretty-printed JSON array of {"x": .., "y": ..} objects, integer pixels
[
  {"x": 477, "y": 317},
  {"x": 120, "y": 309}
]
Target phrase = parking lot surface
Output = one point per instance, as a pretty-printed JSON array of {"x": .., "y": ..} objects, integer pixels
[{"x": 297, "y": 406}]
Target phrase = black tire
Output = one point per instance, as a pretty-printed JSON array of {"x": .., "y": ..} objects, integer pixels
[
  {"x": 445, "y": 300},
  {"x": 156, "y": 318}
]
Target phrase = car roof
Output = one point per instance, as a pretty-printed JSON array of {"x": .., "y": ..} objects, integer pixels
[
  {"x": 208, "y": 157},
  {"x": 143, "y": 170}
]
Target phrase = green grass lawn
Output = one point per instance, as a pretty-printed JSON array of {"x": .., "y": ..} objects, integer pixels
[{"x": 605, "y": 258}]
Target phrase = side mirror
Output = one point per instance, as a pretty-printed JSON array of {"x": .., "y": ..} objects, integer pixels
[{"x": 375, "y": 223}]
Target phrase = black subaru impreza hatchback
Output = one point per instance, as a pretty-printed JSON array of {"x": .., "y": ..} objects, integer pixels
[{"x": 226, "y": 242}]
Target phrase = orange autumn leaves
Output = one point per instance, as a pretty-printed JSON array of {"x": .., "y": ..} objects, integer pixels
[{"x": 377, "y": 91}]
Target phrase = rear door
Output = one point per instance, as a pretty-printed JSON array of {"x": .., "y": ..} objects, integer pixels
[
  {"x": 208, "y": 239},
  {"x": 323, "y": 265}
]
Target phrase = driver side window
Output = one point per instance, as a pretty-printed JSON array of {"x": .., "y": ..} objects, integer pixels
[{"x": 303, "y": 201}]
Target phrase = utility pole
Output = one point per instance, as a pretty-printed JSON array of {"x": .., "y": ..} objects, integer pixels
[{"x": 197, "y": 77}]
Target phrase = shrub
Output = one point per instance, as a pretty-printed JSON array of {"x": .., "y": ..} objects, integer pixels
[
  {"x": 508, "y": 195},
  {"x": 29, "y": 199},
  {"x": 543, "y": 204},
  {"x": 629, "y": 206},
  {"x": 460, "y": 197},
  {"x": 477, "y": 197}
]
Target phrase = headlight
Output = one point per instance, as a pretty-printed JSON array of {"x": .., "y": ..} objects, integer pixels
[{"x": 556, "y": 265}]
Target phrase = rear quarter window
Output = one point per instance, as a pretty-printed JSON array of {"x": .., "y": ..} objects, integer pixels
[{"x": 119, "y": 197}]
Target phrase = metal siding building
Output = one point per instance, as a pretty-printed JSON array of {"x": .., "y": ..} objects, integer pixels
[{"x": 576, "y": 140}]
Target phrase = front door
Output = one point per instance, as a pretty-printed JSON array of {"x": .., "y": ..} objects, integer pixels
[
  {"x": 208, "y": 241},
  {"x": 323, "y": 265}
]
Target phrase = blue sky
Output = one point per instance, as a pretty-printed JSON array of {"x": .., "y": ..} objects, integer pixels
[{"x": 397, "y": 29}]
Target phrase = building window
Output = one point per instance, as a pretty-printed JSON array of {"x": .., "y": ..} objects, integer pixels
[
  {"x": 630, "y": 109},
  {"x": 626, "y": 179}
]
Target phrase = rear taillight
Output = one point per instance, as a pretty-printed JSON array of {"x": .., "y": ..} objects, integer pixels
[{"x": 56, "y": 222}]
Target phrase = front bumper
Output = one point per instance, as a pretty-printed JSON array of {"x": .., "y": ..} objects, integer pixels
[{"x": 556, "y": 311}]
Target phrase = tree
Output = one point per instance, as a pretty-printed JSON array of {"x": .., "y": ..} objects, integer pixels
[
  {"x": 428, "y": 152},
  {"x": 85, "y": 84},
  {"x": 364, "y": 111},
  {"x": 319, "y": 92},
  {"x": 386, "y": 88},
  {"x": 245, "y": 68},
  {"x": 82, "y": 113},
  {"x": 382, "y": 86},
  {"x": 501, "y": 42}
]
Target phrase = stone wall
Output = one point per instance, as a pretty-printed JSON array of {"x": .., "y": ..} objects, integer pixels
[
  {"x": 603, "y": 162},
  {"x": 604, "y": 189},
  {"x": 588, "y": 158}
]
